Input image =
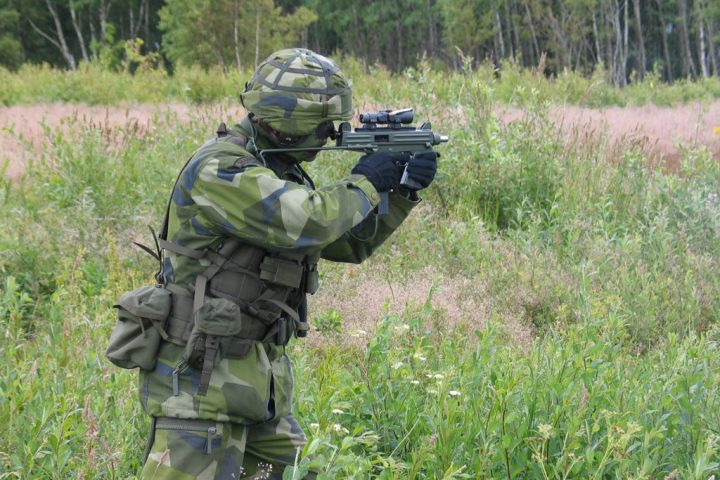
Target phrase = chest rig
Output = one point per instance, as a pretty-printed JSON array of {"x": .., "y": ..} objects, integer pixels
[{"x": 268, "y": 287}]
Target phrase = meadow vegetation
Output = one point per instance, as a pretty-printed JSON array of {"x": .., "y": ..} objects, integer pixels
[
  {"x": 612, "y": 264},
  {"x": 94, "y": 84}
]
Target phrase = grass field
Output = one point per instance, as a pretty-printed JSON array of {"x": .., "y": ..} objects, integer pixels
[{"x": 551, "y": 310}]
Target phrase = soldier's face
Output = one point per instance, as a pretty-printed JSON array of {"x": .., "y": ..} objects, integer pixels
[{"x": 319, "y": 138}]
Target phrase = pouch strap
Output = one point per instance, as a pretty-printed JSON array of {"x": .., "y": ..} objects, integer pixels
[
  {"x": 282, "y": 306},
  {"x": 161, "y": 331},
  {"x": 212, "y": 343}
]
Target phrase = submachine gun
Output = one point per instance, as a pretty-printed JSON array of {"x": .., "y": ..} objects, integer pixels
[{"x": 383, "y": 131}]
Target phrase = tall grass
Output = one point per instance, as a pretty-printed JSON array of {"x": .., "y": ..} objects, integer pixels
[
  {"x": 93, "y": 84},
  {"x": 610, "y": 262}
]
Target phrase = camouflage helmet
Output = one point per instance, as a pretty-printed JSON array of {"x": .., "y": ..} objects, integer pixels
[{"x": 294, "y": 90}]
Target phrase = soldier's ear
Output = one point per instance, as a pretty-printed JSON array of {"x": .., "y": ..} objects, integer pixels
[{"x": 253, "y": 118}]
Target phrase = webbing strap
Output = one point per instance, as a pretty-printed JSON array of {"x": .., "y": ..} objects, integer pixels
[
  {"x": 180, "y": 250},
  {"x": 199, "y": 298},
  {"x": 282, "y": 306},
  {"x": 212, "y": 343}
]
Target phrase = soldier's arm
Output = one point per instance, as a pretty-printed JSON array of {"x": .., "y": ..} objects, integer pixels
[
  {"x": 359, "y": 243},
  {"x": 255, "y": 205}
]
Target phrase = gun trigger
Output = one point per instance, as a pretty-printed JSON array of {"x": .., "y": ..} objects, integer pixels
[{"x": 404, "y": 177}]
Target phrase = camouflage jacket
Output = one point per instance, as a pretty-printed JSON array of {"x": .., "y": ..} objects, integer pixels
[{"x": 274, "y": 207}]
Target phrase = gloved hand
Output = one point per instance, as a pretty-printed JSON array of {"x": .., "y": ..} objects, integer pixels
[
  {"x": 383, "y": 169},
  {"x": 420, "y": 170}
]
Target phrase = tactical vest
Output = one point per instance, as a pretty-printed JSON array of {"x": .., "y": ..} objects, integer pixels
[{"x": 268, "y": 288}]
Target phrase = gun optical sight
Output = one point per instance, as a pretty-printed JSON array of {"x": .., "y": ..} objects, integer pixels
[{"x": 395, "y": 117}]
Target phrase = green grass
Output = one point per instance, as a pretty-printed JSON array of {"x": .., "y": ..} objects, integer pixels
[
  {"x": 93, "y": 84},
  {"x": 612, "y": 264}
]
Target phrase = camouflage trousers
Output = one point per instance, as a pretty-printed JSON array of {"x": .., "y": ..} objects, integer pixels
[{"x": 196, "y": 449}]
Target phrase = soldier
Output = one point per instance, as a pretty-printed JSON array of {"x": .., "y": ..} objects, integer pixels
[{"x": 242, "y": 238}]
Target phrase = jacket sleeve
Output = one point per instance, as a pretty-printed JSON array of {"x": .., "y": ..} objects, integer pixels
[
  {"x": 255, "y": 205},
  {"x": 359, "y": 243}
]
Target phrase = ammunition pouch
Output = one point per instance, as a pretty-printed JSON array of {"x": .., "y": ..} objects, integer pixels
[
  {"x": 142, "y": 317},
  {"x": 217, "y": 322}
]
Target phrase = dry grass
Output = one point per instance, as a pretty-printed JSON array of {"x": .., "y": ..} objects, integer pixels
[
  {"x": 23, "y": 127},
  {"x": 363, "y": 296},
  {"x": 663, "y": 129}
]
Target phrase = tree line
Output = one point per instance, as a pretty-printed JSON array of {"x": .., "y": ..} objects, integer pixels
[{"x": 626, "y": 38}]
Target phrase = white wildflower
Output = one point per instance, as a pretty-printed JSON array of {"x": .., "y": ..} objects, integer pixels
[
  {"x": 438, "y": 376},
  {"x": 546, "y": 430},
  {"x": 414, "y": 382},
  {"x": 314, "y": 425},
  {"x": 337, "y": 411},
  {"x": 454, "y": 393},
  {"x": 337, "y": 427},
  {"x": 397, "y": 365}
]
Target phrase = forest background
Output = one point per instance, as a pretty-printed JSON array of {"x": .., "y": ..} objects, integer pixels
[{"x": 627, "y": 39}]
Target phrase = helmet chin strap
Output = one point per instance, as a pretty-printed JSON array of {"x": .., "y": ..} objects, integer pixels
[{"x": 252, "y": 141}]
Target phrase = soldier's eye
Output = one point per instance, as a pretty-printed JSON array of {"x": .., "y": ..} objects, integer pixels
[{"x": 286, "y": 140}]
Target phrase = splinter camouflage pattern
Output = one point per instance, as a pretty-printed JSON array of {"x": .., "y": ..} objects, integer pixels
[
  {"x": 214, "y": 199},
  {"x": 294, "y": 90},
  {"x": 265, "y": 207},
  {"x": 236, "y": 451},
  {"x": 225, "y": 191}
]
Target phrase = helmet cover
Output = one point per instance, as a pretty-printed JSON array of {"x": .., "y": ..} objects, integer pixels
[{"x": 294, "y": 90}]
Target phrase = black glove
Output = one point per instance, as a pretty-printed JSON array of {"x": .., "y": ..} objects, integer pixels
[
  {"x": 420, "y": 170},
  {"x": 383, "y": 169}
]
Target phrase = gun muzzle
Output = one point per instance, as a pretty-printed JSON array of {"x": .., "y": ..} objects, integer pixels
[{"x": 438, "y": 139}]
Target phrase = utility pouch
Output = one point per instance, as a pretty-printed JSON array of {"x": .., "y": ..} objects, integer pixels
[
  {"x": 216, "y": 323},
  {"x": 142, "y": 314}
]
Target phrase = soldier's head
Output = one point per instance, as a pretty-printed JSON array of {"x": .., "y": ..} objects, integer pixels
[{"x": 294, "y": 98}]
